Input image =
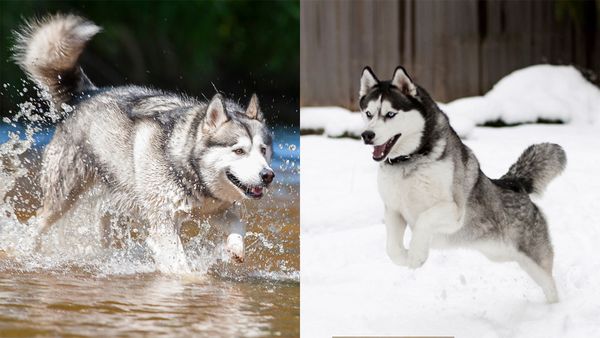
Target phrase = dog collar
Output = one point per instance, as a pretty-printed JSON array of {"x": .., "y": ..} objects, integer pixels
[
  {"x": 405, "y": 158},
  {"x": 399, "y": 159}
]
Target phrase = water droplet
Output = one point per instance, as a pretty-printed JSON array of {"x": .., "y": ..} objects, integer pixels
[{"x": 66, "y": 108}]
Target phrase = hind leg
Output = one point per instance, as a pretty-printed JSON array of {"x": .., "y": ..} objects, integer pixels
[
  {"x": 53, "y": 209},
  {"x": 64, "y": 177},
  {"x": 542, "y": 274},
  {"x": 536, "y": 256}
]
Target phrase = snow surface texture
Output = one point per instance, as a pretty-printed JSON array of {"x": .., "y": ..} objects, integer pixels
[
  {"x": 351, "y": 287},
  {"x": 555, "y": 93}
]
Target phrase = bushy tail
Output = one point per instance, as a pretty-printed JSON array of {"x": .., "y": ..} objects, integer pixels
[
  {"x": 537, "y": 166},
  {"x": 48, "y": 51}
]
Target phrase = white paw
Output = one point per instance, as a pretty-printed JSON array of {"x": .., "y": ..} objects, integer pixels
[
  {"x": 398, "y": 255},
  {"x": 416, "y": 258},
  {"x": 235, "y": 247}
]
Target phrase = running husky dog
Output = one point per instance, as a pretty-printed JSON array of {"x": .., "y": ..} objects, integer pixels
[
  {"x": 157, "y": 156},
  {"x": 429, "y": 179}
]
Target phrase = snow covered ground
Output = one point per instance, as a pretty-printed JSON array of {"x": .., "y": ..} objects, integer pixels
[{"x": 350, "y": 287}]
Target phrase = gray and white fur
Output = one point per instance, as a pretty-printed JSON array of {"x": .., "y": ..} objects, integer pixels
[
  {"x": 431, "y": 181},
  {"x": 159, "y": 157}
]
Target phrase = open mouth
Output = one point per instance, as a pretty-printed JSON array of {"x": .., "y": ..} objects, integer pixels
[
  {"x": 381, "y": 151},
  {"x": 252, "y": 191}
]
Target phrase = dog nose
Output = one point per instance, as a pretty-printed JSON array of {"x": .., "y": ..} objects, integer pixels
[
  {"x": 368, "y": 136},
  {"x": 267, "y": 175}
]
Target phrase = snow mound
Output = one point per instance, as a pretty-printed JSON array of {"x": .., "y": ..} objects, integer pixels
[
  {"x": 540, "y": 92},
  {"x": 332, "y": 121}
]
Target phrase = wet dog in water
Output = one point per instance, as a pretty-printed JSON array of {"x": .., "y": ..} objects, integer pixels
[{"x": 155, "y": 155}]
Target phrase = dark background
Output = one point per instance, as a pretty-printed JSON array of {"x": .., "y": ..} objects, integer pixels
[
  {"x": 453, "y": 48},
  {"x": 239, "y": 47}
]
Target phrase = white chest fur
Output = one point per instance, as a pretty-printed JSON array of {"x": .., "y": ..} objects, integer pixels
[{"x": 411, "y": 193}]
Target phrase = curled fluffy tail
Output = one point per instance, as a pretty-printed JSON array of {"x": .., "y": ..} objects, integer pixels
[
  {"x": 536, "y": 167},
  {"x": 48, "y": 51}
]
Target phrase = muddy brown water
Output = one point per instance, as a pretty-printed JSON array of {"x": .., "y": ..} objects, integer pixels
[{"x": 258, "y": 298}]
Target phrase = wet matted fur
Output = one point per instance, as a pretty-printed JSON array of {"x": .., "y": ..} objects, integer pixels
[{"x": 156, "y": 155}]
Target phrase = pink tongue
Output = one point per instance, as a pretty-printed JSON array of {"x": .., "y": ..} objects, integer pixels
[
  {"x": 378, "y": 150},
  {"x": 257, "y": 190}
]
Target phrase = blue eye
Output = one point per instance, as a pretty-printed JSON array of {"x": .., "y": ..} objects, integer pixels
[
  {"x": 368, "y": 113},
  {"x": 390, "y": 114}
]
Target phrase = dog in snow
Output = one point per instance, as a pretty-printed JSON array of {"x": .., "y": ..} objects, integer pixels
[{"x": 429, "y": 180}]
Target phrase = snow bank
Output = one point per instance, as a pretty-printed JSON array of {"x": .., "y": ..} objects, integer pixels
[
  {"x": 350, "y": 287},
  {"x": 332, "y": 121},
  {"x": 541, "y": 92}
]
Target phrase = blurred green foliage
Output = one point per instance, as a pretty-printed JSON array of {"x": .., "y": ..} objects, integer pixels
[{"x": 238, "y": 47}]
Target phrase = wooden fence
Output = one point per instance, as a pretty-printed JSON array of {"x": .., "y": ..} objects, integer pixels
[{"x": 452, "y": 48}]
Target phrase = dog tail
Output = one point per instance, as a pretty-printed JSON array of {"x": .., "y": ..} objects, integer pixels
[
  {"x": 48, "y": 51},
  {"x": 536, "y": 167}
]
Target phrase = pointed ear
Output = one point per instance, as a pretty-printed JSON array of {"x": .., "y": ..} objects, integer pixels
[
  {"x": 253, "y": 111},
  {"x": 215, "y": 113},
  {"x": 367, "y": 81},
  {"x": 403, "y": 82}
]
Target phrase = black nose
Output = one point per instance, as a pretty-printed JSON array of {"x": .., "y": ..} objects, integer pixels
[
  {"x": 267, "y": 175},
  {"x": 368, "y": 136}
]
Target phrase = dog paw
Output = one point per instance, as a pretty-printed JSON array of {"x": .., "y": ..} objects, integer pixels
[
  {"x": 398, "y": 255},
  {"x": 235, "y": 247},
  {"x": 416, "y": 258}
]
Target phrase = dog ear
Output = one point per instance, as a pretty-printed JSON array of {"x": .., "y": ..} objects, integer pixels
[
  {"x": 367, "y": 81},
  {"x": 253, "y": 111},
  {"x": 403, "y": 82},
  {"x": 215, "y": 113}
]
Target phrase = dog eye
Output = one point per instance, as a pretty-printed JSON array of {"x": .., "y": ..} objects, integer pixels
[
  {"x": 239, "y": 151},
  {"x": 368, "y": 113},
  {"x": 263, "y": 150},
  {"x": 390, "y": 114}
]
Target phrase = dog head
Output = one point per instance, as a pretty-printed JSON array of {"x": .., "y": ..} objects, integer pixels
[
  {"x": 393, "y": 115},
  {"x": 236, "y": 150}
]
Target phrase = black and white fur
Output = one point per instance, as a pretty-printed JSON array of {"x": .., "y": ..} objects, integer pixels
[
  {"x": 431, "y": 181},
  {"x": 156, "y": 156}
]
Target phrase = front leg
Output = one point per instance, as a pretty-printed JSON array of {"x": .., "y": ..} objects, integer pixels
[
  {"x": 231, "y": 223},
  {"x": 395, "y": 226},
  {"x": 164, "y": 242},
  {"x": 442, "y": 218},
  {"x": 160, "y": 197}
]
